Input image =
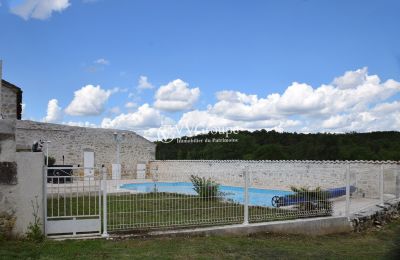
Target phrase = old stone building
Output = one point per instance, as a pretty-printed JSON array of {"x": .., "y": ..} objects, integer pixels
[
  {"x": 74, "y": 145},
  {"x": 11, "y": 101},
  {"x": 86, "y": 146}
]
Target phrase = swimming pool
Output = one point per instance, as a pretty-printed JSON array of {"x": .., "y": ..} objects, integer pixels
[{"x": 257, "y": 197}]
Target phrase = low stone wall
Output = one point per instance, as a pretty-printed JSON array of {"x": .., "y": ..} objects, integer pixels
[
  {"x": 283, "y": 174},
  {"x": 376, "y": 216}
]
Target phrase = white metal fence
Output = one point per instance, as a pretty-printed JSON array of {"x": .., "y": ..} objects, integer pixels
[
  {"x": 72, "y": 201},
  {"x": 204, "y": 198},
  {"x": 78, "y": 204}
]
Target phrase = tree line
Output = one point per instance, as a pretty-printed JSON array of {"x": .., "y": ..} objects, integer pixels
[{"x": 272, "y": 145}]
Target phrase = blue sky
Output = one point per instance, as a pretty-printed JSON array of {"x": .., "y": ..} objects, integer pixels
[{"x": 206, "y": 63}]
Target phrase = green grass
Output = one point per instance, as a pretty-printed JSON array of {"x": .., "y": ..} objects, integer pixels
[
  {"x": 382, "y": 244},
  {"x": 155, "y": 210}
]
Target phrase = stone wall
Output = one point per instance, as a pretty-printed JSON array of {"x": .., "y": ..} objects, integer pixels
[
  {"x": 8, "y": 177},
  {"x": 283, "y": 174},
  {"x": 71, "y": 142},
  {"x": 16, "y": 198},
  {"x": 9, "y": 106},
  {"x": 21, "y": 182},
  {"x": 7, "y": 140},
  {"x": 376, "y": 216}
]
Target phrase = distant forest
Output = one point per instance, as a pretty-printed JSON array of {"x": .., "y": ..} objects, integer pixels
[{"x": 271, "y": 145}]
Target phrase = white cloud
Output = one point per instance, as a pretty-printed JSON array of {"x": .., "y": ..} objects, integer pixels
[
  {"x": 89, "y": 100},
  {"x": 355, "y": 101},
  {"x": 115, "y": 110},
  {"x": 89, "y": 1},
  {"x": 145, "y": 117},
  {"x": 81, "y": 124},
  {"x": 39, "y": 9},
  {"x": 235, "y": 105},
  {"x": 23, "y": 108},
  {"x": 54, "y": 112},
  {"x": 304, "y": 100},
  {"x": 200, "y": 120},
  {"x": 143, "y": 83},
  {"x": 130, "y": 105},
  {"x": 118, "y": 90},
  {"x": 351, "y": 79},
  {"x": 176, "y": 96},
  {"x": 102, "y": 61}
]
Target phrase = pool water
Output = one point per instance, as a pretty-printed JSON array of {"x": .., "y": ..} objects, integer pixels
[{"x": 257, "y": 197}]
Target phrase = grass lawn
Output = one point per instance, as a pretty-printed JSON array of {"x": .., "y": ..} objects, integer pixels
[
  {"x": 154, "y": 210},
  {"x": 382, "y": 244}
]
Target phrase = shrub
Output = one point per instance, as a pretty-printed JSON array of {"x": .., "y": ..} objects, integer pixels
[
  {"x": 205, "y": 188},
  {"x": 34, "y": 232},
  {"x": 52, "y": 160}
]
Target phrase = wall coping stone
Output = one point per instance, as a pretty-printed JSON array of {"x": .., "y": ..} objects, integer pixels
[{"x": 281, "y": 161}]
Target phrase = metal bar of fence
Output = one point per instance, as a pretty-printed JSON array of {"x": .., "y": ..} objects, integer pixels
[
  {"x": 381, "y": 199},
  {"x": 347, "y": 190},
  {"x": 104, "y": 173},
  {"x": 70, "y": 168},
  {"x": 45, "y": 198},
  {"x": 246, "y": 196},
  {"x": 398, "y": 182}
]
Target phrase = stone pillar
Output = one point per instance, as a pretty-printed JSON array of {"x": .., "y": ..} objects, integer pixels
[
  {"x": 29, "y": 190},
  {"x": 8, "y": 178},
  {"x": 1, "y": 87}
]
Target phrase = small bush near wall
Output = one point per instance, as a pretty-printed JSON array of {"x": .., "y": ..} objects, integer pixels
[
  {"x": 34, "y": 232},
  {"x": 52, "y": 161},
  {"x": 205, "y": 188}
]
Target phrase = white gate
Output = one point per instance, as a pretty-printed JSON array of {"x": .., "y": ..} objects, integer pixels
[{"x": 72, "y": 202}]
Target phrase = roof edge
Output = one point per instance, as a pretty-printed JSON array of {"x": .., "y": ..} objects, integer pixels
[{"x": 10, "y": 85}]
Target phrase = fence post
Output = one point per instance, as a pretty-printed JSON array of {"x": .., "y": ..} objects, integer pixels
[
  {"x": 246, "y": 196},
  {"x": 381, "y": 185},
  {"x": 104, "y": 179},
  {"x": 348, "y": 190},
  {"x": 398, "y": 182},
  {"x": 45, "y": 199}
]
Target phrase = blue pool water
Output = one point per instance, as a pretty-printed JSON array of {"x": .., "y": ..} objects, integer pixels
[{"x": 257, "y": 197}]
